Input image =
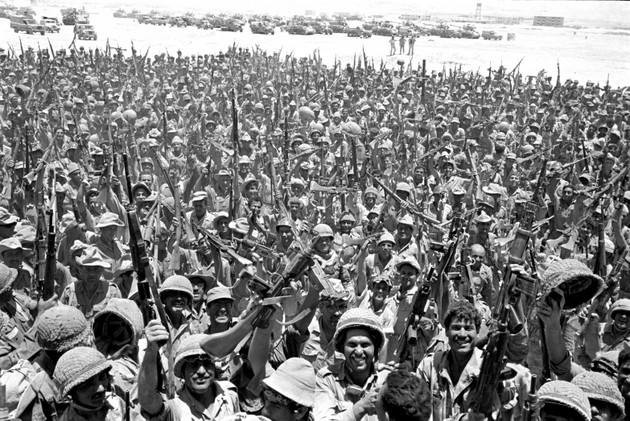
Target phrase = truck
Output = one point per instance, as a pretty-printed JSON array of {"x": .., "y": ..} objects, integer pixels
[
  {"x": 491, "y": 35},
  {"x": 51, "y": 24},
  {"x": 26, "y": 24},
  {"x": 84, "y": 31}
]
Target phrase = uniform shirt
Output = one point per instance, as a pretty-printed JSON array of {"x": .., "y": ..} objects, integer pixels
[
  {"x": 408, "y": 250},
  {"x": 448, "y": 399},
  {"x": 185, "y": 407},
  {"x": 335, "y": 393},
  {"x": 482, "y": 283},
  {"x": 76, "y": 295},
  {"x": 374, "y": 266},
  {"x": 319, "y": 350},
  {"x": 205, "y": 222}
]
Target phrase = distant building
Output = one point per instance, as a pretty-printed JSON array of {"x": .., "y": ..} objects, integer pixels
[
  {"x": 410, "y": 17},
  {"x": 509, "y": 20},
  {"x": 548, "y": 21}
]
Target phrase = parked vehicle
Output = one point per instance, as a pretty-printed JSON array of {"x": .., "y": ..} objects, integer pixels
[
  {"x": 159, "y": 20},
  {"x": 144, "y": 18},
  {"x": 337, "y": 28},
  {"x": 320, "y": 28},
  {"x": 232, "y": 26},
  {"x": 86, "y": 32},
  {"x": 469, "y": 32},
  {"x": 491, "y": 35},
  {"x": 297, "y": 30},
  {"x": 26, "y": 24},
  {"x": 51, "y": 24},
  {"x": 203, "y": 24},
  {"x": 383, "y": 31},
  {"x": 261, "y": 28},
  {"x": 359, "y": 33}
]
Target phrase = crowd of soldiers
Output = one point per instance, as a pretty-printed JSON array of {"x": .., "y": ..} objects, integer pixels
[{"x": 249, "y": 235}]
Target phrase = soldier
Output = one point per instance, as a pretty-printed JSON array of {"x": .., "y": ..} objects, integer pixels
[{"x": 202, "y": 393}]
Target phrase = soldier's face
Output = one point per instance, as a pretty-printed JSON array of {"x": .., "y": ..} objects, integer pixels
[
  {"x": 623, "y": 379},
  {"x": 13, "y": 258},
  {"x": 462, "y": 335},
  {"x": 404, "y": 232},
  {"x": 323, "y": 245},
  {"x": 370, "y": 199},
  {"x": 286, "y": 235},
  {"x": 199, "y": 373}
]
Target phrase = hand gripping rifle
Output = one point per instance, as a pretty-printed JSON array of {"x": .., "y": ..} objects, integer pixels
[
  {"x": 216, "y": 242},
  {"x": 428, "y": 289},
  {"x": 222, "y": 344},
  {"x": 506, "y": 310},
  {"x": 147, "y": 288},
  {"x": 528, "y": 413},
  {"x": 235, "y": 156}
]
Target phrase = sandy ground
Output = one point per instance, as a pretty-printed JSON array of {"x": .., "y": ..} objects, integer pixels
[{"x": 584, "y": 54}]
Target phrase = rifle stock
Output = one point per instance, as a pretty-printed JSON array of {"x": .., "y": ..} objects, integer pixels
[
  {"x": 48, "y": 288},
  {"x": 147, "y": 288},
  {"x": 222, "y": 344}
]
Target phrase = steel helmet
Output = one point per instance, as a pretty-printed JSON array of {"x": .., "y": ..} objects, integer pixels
[
  {"x": 351, "y": 128},
  {"x": 503, "y": 126},
  {"x": 306, "y": 113},
  {"x": 116, "y": 115},
  {"x": 323, "y": 230},
  {"x": 359, "y": 318},
  {"x": 130, "y": 115},
  {"x": 316, "y": 127}
]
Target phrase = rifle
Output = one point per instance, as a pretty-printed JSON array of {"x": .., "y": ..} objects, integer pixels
[
  {"x": 403, "y": 203},
  {"x": 409, "y": 337},
  {"x": 403, "y": 156},
  {"x": 600, "y": 261},
  {"x": 285, "y": 150},
  {"x": 4, "y": 408},
  {"x": 473, "y": 169},
  {"x": 528, "y": 413},
  {"x": 48, "y": 283},
  {"x": 507, "y": 312},
  {"x": 258, "y": 248},
  {"x": 127, "y": 407},
  {"x": 222, "y": 344},
  {"x": 216, "y": 242},
  {"x": 147, "y": 288},
  {"x": 40, "y": 244},
  {"x": 355, "y": 167},
  {"x": 235, "y": 157},
  {"x": 317, "y": 188},
  {"x": 424, "y": 70},
  {"x": 127, "y": 176}
]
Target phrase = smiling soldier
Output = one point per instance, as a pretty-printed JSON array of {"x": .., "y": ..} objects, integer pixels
[{"x": 451, "y": 375}]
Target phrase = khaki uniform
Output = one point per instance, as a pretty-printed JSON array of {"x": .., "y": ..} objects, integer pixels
[
  {"x": 335, "y": 394},
  {"x": 185, "y": 407}
]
